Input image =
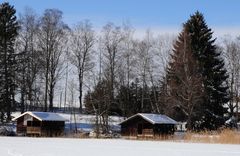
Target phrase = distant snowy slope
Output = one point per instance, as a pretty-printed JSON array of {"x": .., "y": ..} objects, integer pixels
[{"x": 18, "y": 146}]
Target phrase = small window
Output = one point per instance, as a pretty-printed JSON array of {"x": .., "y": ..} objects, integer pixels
[{"x": 34, "y": 123}]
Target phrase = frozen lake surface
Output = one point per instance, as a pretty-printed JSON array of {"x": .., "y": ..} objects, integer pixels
[{"x": 26, "y": 146}]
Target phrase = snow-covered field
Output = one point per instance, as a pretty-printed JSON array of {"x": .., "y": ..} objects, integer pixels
[{"x": 24, "y": 146}]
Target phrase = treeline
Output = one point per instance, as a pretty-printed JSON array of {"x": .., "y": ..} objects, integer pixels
[{"x": 46, "y": 64}]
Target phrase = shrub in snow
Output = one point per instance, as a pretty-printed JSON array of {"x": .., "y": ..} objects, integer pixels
[{"x": 6, "y": 131}]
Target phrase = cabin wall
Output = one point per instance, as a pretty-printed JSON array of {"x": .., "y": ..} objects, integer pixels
[
  {"x": 140, "y": 127},
  {"x": 163, "y": 129},
  {"x": 136, "y": 126},
  {"x": 21, "y": 128},
  {"x": 26, "y": 121},
  {"x": 52, "y": 128},
  {"x": 29, "y": 125},
  {"x": 27, "y": 118}
]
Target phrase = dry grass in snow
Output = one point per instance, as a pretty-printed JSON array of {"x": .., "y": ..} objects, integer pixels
[{"x": 225, "y": 136}]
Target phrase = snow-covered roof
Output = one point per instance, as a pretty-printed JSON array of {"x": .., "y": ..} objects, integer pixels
[
  {"x": 153, "y": 118},
  {"x": 43, "y": 116}
]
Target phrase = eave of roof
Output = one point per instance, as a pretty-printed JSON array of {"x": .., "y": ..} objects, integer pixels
[
  {"x": 29, "y": 113},
  {"x": 145, "y": 118},
  {"x": 35, "y": 116}
]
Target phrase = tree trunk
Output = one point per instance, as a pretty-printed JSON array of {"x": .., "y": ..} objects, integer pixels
[
  {"x": 80, "y": 91},
  {"x": 51, "y": 94},
  {"x": 22, "y": 101},
  {"x": 46, "y": 90}
]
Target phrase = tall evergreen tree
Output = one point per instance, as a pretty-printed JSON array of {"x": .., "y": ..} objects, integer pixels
[
  {"x": 211, "y": 67},
  {"x": 197, "y": 77},
  {"x": 8, "y": 32},
  {"x": 185, "y": 82}
]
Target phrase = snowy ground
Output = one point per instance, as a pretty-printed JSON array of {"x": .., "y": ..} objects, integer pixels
[{"x": 24, "y": 146}]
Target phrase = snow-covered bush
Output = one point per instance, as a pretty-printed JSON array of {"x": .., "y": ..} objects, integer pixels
[{"x": 7, "y": 131}]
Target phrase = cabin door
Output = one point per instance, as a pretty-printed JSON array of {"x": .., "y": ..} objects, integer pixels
[{"x": 140, "y": 126}]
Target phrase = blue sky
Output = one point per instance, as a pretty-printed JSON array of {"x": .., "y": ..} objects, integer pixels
[{"x": 168, "y": 15}]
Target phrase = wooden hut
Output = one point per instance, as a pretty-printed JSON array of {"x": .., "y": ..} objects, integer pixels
[
  {"x": 40, "y": 124},
  {"x": 148, "y": 125}
]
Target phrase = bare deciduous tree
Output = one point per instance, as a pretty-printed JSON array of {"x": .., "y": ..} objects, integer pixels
[
  {"x": 144, "y": 56},
  {"x": 232, "y": 58},
  {"x": 111, "y": 40},
  {"x": 82, "y": 42},
  {"x": 126, "y": 70},
  {"x": 51, "y": 43},
  {"x": 28, "y": 59}
]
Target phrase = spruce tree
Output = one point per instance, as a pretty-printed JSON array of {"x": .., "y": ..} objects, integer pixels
[
  {"x": 8, "y": 33},
  {"x": 197, "y": 77},
  {"x": 211, "y": 67},
  {"x": 184, "y": 82}
]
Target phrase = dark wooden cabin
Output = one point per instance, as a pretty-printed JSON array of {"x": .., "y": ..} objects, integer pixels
[
  {"x": 148, "y": 125},
  {"x": 40, "y": 124}
]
